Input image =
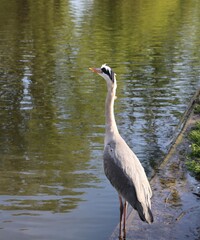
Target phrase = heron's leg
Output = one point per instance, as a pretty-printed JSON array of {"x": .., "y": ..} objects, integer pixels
[
  {"x": 124, "y": 226},
  {"x": 121, "y": 213}
]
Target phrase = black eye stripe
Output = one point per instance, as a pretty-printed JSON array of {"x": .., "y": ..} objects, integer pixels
[{"x": 106, "y": 71}]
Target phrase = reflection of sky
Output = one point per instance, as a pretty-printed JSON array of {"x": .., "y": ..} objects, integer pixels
[
  {"x": 26, "y": 101},
  {"x": 79, "y": 9}
]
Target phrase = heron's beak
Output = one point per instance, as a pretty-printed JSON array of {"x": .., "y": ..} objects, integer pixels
[{"x": 96, "y": 70}]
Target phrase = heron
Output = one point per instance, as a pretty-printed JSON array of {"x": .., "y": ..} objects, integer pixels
[{"x": 121, "y": 166}]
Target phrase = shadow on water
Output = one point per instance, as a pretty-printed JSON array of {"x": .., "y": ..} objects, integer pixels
[{"x": 52, "y": 108}]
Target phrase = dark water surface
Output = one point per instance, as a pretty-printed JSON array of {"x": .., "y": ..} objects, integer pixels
[{"x": 52, "y": 106}]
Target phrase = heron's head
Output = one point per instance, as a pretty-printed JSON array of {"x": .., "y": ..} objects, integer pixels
[{"x": 107, "y": 73}]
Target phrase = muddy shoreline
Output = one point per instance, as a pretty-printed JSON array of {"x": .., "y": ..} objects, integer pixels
[{"x": 176, "y": 209}]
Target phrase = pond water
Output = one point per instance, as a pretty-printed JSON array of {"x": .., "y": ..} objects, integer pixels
[{"x": 52, "y": 106}]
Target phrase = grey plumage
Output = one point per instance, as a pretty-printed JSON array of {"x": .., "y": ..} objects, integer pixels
[
  {"x": 127, "y": 176},
  {"x": 121, "y": 165}
]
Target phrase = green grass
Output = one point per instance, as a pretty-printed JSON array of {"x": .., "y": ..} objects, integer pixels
[
  {"x": 194, "y": 167},
  {"x": 197, "y": 109},
  {"x": 193, "y": 163}
]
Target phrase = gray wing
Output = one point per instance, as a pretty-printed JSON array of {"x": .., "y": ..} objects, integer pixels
[{"x": 126, "y": 174}]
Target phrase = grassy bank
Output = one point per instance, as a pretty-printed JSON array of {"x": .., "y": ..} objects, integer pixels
[{"x": 193, "y": 162}]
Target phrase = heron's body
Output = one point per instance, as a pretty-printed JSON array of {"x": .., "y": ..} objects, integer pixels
[
  {"x": 121, "y": 165},
  {"x": 128, "y": 177}
]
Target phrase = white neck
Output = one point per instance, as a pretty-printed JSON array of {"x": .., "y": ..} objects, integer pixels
[{"x": 111, "y": 126}]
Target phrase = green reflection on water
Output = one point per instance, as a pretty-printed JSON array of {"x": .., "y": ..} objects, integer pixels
[{"x": 44, "y": 133}]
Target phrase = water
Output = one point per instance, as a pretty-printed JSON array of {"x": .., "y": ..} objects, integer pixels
[{"x": 52, "y": 106}]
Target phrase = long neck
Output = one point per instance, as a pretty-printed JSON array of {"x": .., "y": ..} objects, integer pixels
[{"x": 111, "y": 127}]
